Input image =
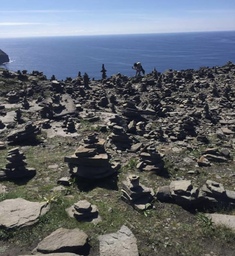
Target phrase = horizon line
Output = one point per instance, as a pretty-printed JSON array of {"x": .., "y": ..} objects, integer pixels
[{"x": 119, "y": 34}]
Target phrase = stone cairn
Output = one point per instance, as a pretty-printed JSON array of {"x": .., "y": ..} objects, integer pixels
[
  {"x": 69, "y": 125},
  {"x": 16, "y": 166},
  {"x": 118, "y": 139},
  {"x": 90, "y": 160},
  {"x": 136, "y": 194},
  {"x": 24, "y": 135},
  {"x": 84, "y": 211},
  {"x": 207, "y": 197},
  {"x": 18, "y": 116},
  {"x": 150, "y": 160}
]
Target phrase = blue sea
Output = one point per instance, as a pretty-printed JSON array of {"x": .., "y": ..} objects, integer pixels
[{"x": 66, "y": 56}]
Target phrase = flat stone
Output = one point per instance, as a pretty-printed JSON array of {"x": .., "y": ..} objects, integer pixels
[
  {"x": 55, "y": 254},
  {"x": 223, "y": 219},
  {"x": 180, "y": 186},
  {"x": 20, "y": 212},
  {"x": 64, "y": 240},
  {"x": 82, "y": 206},
  {"x": 119, "y": 244}
]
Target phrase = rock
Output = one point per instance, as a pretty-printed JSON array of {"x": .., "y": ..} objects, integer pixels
[
  {"x": 27, "y": 134},
  {"x": 55, "y": 254},
  {"x": 16, "y": 166},
  {"x": 64, "y": 241},
  {"x": 18, "y": 213},
  {"x": 3, "y": 57},
  {"x": 151, "y": 160},
  {"x": 90, "y": 160},
  {"x": 84, "y": 211},
  {"x": 136, "y": 194},
  {"x": 121, "y": 243},
  {"x": 223, "y": 220}
]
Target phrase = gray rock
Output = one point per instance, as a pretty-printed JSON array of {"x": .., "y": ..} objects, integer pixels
[
  {"x": 55, "y": 254},
  {"x": 20, "y": 212},
  {"x": 64, "y": 240},
  {"x": 136, "y": 194},
  {"x": 119, "y": 244},
  {"x": 223, "y": 220}
]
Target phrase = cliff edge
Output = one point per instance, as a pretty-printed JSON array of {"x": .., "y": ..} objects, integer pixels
[{"x": 3, "y": 57}]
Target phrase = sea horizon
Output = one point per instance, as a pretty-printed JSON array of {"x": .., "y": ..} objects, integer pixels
[{"x": 65, "y": 56}]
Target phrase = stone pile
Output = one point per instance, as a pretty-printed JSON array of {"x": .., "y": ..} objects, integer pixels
[
  {"x": 130, "y": 111},
  {"x": 211, "y": 155},
  {"x": 118, "y": 139},
  {"x": 18, "y": 116},
  {"x": 90, "y": 160},
  {"x": 136, "y": 194},
  {"x": 13, "y": 97},
  {"x": 150, "y": 160},
  {"x": 209, "y": 196},
  {"x": 26, "y": 135},
  {"x": 69, "y": 125},
  {"x": 16, "y": 166},
  {"x": 84, "y": 211}
]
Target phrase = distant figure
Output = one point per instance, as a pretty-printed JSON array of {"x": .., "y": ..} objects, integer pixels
[
  {"x": 103, "y": 71},
  {"x": 138, "y": 67}
]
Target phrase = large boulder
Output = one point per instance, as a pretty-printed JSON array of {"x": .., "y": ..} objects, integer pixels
[{"x": 3, "y": 57}]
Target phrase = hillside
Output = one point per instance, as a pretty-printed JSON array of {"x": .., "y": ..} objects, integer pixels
[{"x": 153, "y": 153}]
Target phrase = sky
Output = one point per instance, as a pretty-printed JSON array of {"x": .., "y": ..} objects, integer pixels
[{"x": 31, "y": 18}]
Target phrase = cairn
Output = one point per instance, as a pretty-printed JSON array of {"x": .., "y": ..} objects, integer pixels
[
  {"x": 84, "y": 211},
  {"x": 90, "y": 160},
  {"x": 69, "y": 125},
  {"x": 207, "y": 197},
  {"x": 26, "y": 134},
  {"x": 150, "y": 160},
  {"x": 16, "y": 166},
  {"x": 118, "y": 139},
  {"x": 136, "y": 194}
]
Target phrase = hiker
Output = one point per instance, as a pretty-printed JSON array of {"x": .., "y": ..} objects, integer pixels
[{"x": 138, "y": 67}]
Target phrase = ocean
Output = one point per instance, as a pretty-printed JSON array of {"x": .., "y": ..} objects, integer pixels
[{"x": 66, "y": 56}]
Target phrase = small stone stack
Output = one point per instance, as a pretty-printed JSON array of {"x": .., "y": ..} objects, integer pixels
[
  {"x": 84, "y": 211},
  {"x": 209, "y": 196},
  {"x": 136, "y": 194},
  {"x": 118, "y": 139},
  {"x": 150, "y": 160},
  {"x": 16, "y": 166},
  {"x": 25, "y": 135},
  {"x": 90, "y": 160},
  {"x": 69, "y": 125}
]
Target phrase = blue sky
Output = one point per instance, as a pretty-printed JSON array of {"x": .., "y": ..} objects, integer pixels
[{"x": 27, "y": 18}]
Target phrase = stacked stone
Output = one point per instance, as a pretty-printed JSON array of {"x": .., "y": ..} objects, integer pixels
[
  {"x": 131, "y": 112},
  {"x": 27, "y": 134},
  {"x": 150, "y": 160},
  {"x": 13, "y": 97},
  {"x": 83, "y": 211},
  {"x": 70, "y": 125},
  {"x": 90, "y": 160},
  {"x": 136, "y": 194},
  {"x": 16, "y": 166},
  {"x": 209, "y": 196},
  {"x": 118, "y": 139}
]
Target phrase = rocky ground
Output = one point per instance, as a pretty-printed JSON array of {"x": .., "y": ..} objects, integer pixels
[{"x": 149, "y": 159}]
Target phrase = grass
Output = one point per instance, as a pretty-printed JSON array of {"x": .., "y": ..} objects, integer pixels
[{"x": 167, "y": 229}]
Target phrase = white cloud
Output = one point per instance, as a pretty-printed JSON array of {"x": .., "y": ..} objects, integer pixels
[{"x": 18, "y": 24}]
